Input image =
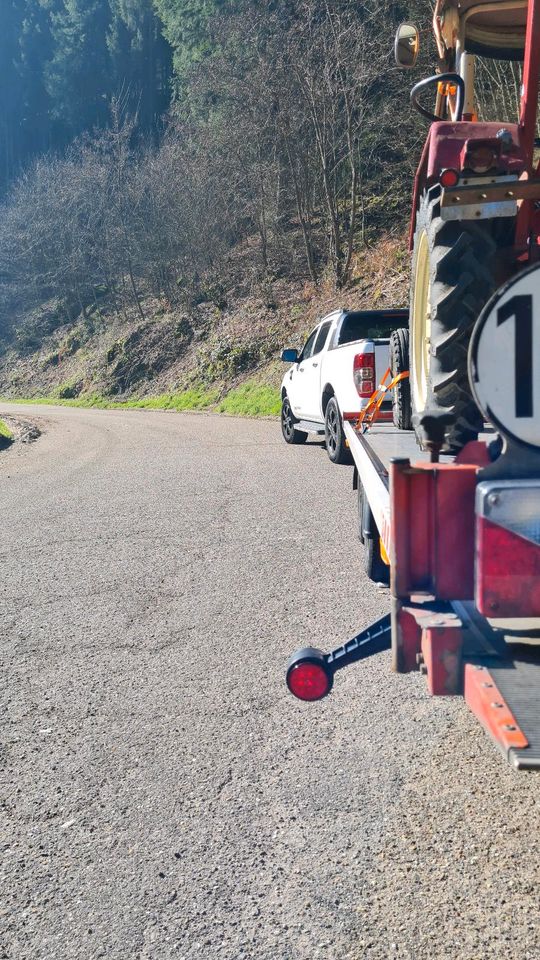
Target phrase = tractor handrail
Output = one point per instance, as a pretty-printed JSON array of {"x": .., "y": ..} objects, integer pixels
[{"x": 439, "y": 78}]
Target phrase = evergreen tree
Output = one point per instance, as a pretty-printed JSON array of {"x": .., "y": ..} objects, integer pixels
[
  {"x": 35, "y": 50},
  {"x": 25, "y": 44},
  {"x": 141, "y": 60},
  {"x": 185, "y": 25},
  {"x": 78, "y": 76},
  {"x": 11, "y": 105}
]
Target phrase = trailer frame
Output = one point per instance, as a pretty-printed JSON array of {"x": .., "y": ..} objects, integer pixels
[{"x": 438, "y": 629}]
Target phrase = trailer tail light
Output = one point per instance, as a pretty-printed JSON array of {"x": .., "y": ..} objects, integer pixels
[
  {"x": 448, "y": 177},
  {"x": 481, "y": 155},
  {"x": 308, "y": 675},
  {"x": 507, "y": 566},
  {"x": 364, "y": 374}
]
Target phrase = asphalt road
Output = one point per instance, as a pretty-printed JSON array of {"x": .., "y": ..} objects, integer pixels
[{"x": 164, "y": 795}]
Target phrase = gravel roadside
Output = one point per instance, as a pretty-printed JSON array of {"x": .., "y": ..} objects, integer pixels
[{"x": 164, "y": 796}]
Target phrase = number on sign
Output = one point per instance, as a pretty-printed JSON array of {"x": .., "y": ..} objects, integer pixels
[
  {"x": 520, "y": 307},
  {"x": 507, "y": 333}
]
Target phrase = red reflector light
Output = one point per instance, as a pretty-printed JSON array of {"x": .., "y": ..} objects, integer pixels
[
  {"x": 308, "y": 675},
  {"x": 507, "y": 572},
  {"x": 364, "y": 374},
  {"x": 448, "y": 177},
  {"x": 308, "y": 681}
]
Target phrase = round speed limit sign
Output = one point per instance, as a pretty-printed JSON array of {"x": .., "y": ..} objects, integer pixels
[{"x": 504, "y": 358}]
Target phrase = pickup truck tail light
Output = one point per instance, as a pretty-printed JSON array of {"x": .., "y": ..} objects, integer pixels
[
  {"x": 364, "y": 374},
  {"x": 507, "y": 570}
]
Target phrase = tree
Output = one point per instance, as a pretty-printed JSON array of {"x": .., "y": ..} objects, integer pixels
[
  {"x": 24, "y": 107},
  {"x": 78, "y": 75},
  {"x": 186, "y": 27},
  {"x": 141, "y": 61}
]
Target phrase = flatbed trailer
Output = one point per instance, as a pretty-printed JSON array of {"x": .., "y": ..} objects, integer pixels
[
  {"x": 495, "y": 663},
  {"x": 461, "y": 537}
]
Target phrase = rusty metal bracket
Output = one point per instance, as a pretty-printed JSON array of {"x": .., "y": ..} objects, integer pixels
[{"x": 490, "y": 193}]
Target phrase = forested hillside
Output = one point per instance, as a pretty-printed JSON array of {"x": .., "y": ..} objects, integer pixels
[
  {"x": 184, "y": 159},
  {"x": 63, "y": 60}
]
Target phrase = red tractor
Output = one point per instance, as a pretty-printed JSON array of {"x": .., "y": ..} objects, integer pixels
[{"x": 476, "y": 206}]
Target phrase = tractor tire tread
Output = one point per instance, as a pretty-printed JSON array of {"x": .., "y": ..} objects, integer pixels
[{"x": 462, "y": 268}]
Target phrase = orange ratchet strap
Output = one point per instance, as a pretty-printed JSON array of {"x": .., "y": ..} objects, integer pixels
[
  {"x": 368, "y": 415},
  {"x": 447, "y": 89}
]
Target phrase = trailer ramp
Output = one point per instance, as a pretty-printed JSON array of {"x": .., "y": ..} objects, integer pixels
[{"x": 504, "y": 694}]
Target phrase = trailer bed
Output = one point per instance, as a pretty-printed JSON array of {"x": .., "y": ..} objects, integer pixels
[
  {"x": 387, "y": 442},
  {"x": 501, "y": 659}
]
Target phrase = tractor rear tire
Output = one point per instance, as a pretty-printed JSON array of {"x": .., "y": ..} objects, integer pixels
[
  {"x": 401, "y": 394},
  {"x": 453, "y": 276}
]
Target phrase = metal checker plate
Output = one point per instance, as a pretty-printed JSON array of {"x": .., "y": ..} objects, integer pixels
[{"x": 519, "y": 683}]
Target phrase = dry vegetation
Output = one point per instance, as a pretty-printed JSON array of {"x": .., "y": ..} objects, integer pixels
[
  {"x": 209, "y": 349},
  {"x": 280, "y": 187},
  {"x": 129, "y": 268}
]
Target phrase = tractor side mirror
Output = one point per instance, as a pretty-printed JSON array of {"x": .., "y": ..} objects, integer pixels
[
  {"x": 406, "y": 45},
  {"x": 289, "y": 356}
]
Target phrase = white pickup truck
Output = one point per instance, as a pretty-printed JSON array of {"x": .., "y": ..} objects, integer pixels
[{"x": 336, "y": 372}]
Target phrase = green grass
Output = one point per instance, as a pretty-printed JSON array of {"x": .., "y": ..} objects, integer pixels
[
  {"x": 197, "y": 398},
  {"x": 93, "y": 400},
  {"x": 6, "y": 435},
  {"x": 248, "y": 400},
  {"x": 194, "y": 399},
  {"x": 251, "y": 400}
]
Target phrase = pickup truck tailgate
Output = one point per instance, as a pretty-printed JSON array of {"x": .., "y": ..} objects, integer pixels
[{"x": 382, "y": 360}]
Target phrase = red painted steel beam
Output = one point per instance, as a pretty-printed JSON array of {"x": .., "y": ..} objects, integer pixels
[
  {"x": 531, "y": 74},
  {"x": 432, "y": 513},
  {"x": 406, "y": 637}
]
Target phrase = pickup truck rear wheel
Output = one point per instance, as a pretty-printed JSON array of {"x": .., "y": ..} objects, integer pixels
[
  {"x": 288, "y": 429},
  {"x": 334, "y": 434},
  {"x": 401, "y": 394}
]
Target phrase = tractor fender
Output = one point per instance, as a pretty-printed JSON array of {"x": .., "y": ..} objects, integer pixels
[{"x": 443, "y": 148}]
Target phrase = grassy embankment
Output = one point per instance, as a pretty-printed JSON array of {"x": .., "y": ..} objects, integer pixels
[
  {"x": 6, "y": 436},
  {"x": 246, "y": 400},
  {"x": 227, "y": 362}
]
